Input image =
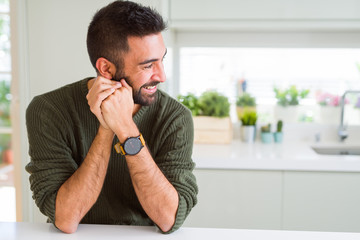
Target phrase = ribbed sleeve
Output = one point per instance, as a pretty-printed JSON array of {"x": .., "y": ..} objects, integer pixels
[
  {"x": 174, "y": 159},
  {"x": 51, "y": 163}
]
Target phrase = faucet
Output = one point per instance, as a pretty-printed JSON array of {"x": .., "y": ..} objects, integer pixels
[{"x": 343, "y": 134}]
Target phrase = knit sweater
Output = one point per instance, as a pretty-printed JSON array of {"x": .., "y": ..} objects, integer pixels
[{"x": 61, "y": 129}]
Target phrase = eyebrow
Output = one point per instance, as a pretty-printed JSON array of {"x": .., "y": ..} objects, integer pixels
[{"x": 153, "y": 60}]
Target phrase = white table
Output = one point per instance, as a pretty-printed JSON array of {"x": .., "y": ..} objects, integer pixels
[{"x": 46, "y": 231}]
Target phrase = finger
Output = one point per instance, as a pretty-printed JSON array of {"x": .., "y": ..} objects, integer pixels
[
  {"x": 103, "y": 89},
  {"x": 124, "y": 83},
  {"x": 103, "y": 85},
  {"x": 105, "y": 94}
]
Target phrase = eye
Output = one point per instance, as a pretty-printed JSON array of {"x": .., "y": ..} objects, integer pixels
[{"x": 148, "y": 66}]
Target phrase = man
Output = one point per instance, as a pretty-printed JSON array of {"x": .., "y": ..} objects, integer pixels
[{"x": 114, "y": 149}]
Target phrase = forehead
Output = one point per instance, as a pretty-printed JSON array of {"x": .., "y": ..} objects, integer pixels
[{"x": 147, "y": 46}]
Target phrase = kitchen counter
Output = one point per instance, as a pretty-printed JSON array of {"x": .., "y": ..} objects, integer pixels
[
  {"x": 46, "y": 231},
  {"x": 294, "y": 156}
]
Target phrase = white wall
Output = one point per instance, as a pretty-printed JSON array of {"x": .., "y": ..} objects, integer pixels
[{"x": 57, "y": 42}]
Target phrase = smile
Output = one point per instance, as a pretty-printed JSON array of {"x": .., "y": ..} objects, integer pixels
[{"x": 150, "y": 87}]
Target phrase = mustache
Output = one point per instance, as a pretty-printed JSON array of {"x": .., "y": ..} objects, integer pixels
[{"x": 150, "y": 84}]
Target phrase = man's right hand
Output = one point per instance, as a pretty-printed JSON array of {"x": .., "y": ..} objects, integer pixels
[{"x": 99, "y": 90}]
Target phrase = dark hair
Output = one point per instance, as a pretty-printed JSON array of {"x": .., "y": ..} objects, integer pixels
[{"x": 111, "y": 26}]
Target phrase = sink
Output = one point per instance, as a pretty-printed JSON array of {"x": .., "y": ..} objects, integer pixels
[{"x": 337, "y": 149}]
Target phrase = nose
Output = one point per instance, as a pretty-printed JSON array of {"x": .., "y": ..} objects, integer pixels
[{"x": 159, "y": 73}]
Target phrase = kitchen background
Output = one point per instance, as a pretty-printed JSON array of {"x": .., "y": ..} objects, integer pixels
[{"x": 233, "y": 47}]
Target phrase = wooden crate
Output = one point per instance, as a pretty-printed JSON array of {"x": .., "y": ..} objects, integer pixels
[{"x": 212, "y": 130}]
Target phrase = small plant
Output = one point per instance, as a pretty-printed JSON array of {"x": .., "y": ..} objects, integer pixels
[
  {"x": 290, "y": 96},
  {"x": 249, "y": 118},
  {"x": 328, "y": 99},
  {"x": 279, "y": 126},
  {"x": 245, "y": 100},
  {"x": 5, "y": 100},
  {"x": 266, "y": 128},
  {"x": 191, "y": 102},
  {"x": 214, "y": 104},
  {"x": 210, "y": 103}
]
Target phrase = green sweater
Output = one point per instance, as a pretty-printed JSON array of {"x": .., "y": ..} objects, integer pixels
[{"x": 61, "y": 128}]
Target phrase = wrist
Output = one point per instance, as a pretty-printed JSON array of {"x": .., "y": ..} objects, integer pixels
[
  {"x": 106, "y": 133},
  {"x": 127, "y": 131}
]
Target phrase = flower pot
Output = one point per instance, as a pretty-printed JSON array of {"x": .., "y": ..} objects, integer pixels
[
  {"x": 248, "y": 133},
  {"x": 212, "y": 130},
  {"x": 266, "y": 137},
  {"x": 7, "y": 156},
  {"x": 289, "y": 114},
  {"x": 278, "y": 137}
]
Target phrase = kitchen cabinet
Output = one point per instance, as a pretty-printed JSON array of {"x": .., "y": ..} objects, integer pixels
[
  {"x": 264, "y": 14},
  {"x": 264, "y": 10},
  {"x": 237, "y": 199},
  {"x": 321, "y": 201},
  {"x": 283, "y": 200}
]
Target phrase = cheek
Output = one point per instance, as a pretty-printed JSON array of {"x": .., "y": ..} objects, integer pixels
[{"x": 142, "y": 78}]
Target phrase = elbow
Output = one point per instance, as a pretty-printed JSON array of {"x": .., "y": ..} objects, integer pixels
[
  {"x": 167, "y": 224},
  {"x": 66, "y": 227}
]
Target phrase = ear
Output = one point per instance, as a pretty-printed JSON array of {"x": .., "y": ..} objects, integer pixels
[{"x": 105, "y": 68}]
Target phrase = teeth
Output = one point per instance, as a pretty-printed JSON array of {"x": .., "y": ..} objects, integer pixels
[{"x": 150, "y": 87}]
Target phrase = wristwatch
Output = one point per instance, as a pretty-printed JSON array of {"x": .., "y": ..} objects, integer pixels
[{"x": 131, "y": 146}]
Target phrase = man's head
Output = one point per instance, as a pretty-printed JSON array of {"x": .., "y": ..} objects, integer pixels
[
  {"x": 112, "y": 25},
  {"x": 127, "y": 34}
]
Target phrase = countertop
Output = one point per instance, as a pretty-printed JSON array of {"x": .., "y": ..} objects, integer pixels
[
  {"x": 293, "y": 156},
  {"x": 46, "y": 231}
]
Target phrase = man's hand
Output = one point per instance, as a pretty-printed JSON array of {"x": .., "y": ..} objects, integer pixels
[
  {"x": 117, "y": 111},
  {"x": 101, "y": 89}
]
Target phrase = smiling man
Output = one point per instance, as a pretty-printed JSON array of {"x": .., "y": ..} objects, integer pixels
[{"x": 114, "y": 149}]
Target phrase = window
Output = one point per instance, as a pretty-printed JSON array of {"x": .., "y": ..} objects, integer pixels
[
  {"x": 326, "y": 72},
  {"x": 7, "y": 190}
]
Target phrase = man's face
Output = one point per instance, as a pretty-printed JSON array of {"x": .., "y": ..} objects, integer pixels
[{"x": 143, "y": 67}]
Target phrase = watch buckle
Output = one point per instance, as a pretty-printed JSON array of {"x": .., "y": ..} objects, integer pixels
[{"x": 119, "y": 149}]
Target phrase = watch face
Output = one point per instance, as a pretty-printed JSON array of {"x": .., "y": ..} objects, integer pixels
[{"x": 132, "y": 146}]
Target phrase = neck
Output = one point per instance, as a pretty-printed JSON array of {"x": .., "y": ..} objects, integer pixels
[{"x": 136, "y": 108}]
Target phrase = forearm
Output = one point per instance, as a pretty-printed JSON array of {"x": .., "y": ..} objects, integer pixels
[
  {"x": 79, "y": 193},
  {"x": 156, "y": 194}
]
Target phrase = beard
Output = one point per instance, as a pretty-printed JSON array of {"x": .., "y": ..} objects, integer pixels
[{"x": 138, "y": 97}]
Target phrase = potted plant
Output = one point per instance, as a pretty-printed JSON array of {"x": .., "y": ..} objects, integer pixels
[
  {"x": 266, "y": 135},
  {"x": 211, "y": 115},
  {"x": 191, "y": 102},
  {"x": 5, "y": 122},
  {"x": 278, "y": 135},
  {"x": 248, "y": 120},
  {"x": 287, "y": 102},
  {"x": 5, "y": 99},
  {"x": 290, "y": 96},
  {"x": 245, "y": 102}
]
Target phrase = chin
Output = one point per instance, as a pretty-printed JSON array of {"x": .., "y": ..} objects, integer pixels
[{"x": 146, "y": 100}]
